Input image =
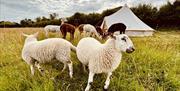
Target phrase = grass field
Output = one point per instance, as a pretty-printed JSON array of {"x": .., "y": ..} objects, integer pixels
[{"x": 154, "y": 66}]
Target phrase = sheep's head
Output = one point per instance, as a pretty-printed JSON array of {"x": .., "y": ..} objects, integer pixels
[
  {"x": 32, "y": 37},
  {"x": 123, "y": 43}
]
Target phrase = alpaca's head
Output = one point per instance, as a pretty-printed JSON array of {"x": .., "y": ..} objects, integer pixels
[
  {"x": 30, "y": 38},
  {"x": 123, "y": 43},
  {"x": 63, "y": 20}
]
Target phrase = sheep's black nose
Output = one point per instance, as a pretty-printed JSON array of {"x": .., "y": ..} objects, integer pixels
[
  {"x": 133, "y": 48},
  {"x": 42, "y": 70},
  {"x": 130, "y": 50}
]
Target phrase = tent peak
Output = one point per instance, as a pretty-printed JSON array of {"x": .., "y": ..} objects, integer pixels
[{"x": 125, "y": 5}]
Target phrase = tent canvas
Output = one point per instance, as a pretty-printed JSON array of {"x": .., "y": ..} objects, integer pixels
[{"x": 135, "y": 27}]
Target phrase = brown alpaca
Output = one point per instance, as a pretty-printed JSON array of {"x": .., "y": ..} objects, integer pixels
[{"x": 65, "y": 27}]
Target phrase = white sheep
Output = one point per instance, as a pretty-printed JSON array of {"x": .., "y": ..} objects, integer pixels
[
  {"x": 88, "y": 30},
  {"x": 102, "y": 58},
  {"x": 49, "y": 50},
  {"x": 51, "y": 28}
]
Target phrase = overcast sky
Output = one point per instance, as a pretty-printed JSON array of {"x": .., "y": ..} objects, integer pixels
[{"x": 16, "y": 10}]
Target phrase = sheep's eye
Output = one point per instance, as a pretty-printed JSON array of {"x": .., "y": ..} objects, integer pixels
[{"x": 124, "y": 39}]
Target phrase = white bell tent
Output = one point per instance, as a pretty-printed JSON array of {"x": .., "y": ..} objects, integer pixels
[{"x": 135, "y": 27}]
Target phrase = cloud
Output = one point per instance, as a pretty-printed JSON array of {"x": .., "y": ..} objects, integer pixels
[{"x": 15, "y": 10}]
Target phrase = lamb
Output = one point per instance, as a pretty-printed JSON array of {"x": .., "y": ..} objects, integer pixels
[
  {"x": 88, "y": 29},
  {"x": 102, "y": 58},
  {"x": 51, "y": 28},
  {"x": 51, "y": 50}
]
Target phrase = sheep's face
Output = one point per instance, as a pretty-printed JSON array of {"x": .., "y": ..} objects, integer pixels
[
  {"x": 123, "y": 43},
  {"x": 29, "y": 38}
]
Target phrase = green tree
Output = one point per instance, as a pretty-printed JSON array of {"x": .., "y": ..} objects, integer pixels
[{"x": 53, "y": 16}]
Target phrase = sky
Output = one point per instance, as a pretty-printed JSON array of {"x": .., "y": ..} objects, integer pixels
[{"x": 16, "y": 10}]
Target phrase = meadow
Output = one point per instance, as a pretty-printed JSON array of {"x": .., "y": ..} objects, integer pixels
[{"x": 154, "y": 66}]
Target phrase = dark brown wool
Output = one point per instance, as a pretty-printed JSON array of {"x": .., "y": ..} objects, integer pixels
[{"x": 67, "y": 28}]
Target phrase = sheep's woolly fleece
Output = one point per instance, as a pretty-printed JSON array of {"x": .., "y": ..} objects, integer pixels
[{"x": 98, "y": 56}]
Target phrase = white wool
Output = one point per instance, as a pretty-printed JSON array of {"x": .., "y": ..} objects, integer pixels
[
  {"x": 51, "y": 28},
  {"x": 45, "y": 51},
  {"x": 101, "y": 58},
  {"x": 98, "y": 56},
  {"x": 90, "y": 29}
]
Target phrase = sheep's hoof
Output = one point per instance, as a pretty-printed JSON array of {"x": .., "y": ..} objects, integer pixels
[{"x": 105, "y": 89}]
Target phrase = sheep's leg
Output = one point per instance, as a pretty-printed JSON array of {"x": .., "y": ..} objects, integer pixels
[
  {"x": 85, "y": 34},
  {"x": 84, "y": 68},
  {"x": 32, "y": 69},
  {"x": 80, "y": 33},
  {"x": 69, "y": 63},
  {"x": 65, "y": 65},
  {"x": 41, "y": 70},
  {"x": 90, "y": 80},
  {"x": 107, "y": 82},
  {"x": 91, "y": 34}
]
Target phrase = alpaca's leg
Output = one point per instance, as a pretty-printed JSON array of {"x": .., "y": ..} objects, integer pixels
[
  {"x": 90, "y": 80},
  {"x": 41, "y": 70},
  {"x": 60, "y": 33},
  {"x": 71, "y": 36},
  {"x": 120, "y": 32},
  {"x": 107, "y": 82},
  {"x": 64, "y": 34},
  {"x": 65, "y": 66},
  {"x": 69, "y": 63},
  {"x": 32, "y": 69}
]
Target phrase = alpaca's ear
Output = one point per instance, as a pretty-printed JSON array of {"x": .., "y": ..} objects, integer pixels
[
  {"x": 24, "y": 34},
  {"x": 36, "y": 34}
]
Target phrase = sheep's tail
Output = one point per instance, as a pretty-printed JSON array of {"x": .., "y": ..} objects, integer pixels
[{"x": 73, "y": 48}]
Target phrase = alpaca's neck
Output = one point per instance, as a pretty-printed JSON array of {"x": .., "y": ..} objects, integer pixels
[{"x": 62, "y": 22}]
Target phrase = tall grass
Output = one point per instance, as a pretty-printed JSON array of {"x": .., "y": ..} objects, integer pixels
[{"x": 154, "y": 66}]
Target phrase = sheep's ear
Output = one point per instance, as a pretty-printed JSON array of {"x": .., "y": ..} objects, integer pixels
[
  {"x": 112, "y": 36},
  {"x": 36, "y": 34},
  {"x": 24, "y": 34}
]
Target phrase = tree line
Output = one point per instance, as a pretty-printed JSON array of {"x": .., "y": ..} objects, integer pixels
[{"x": 167, "y": 15}]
